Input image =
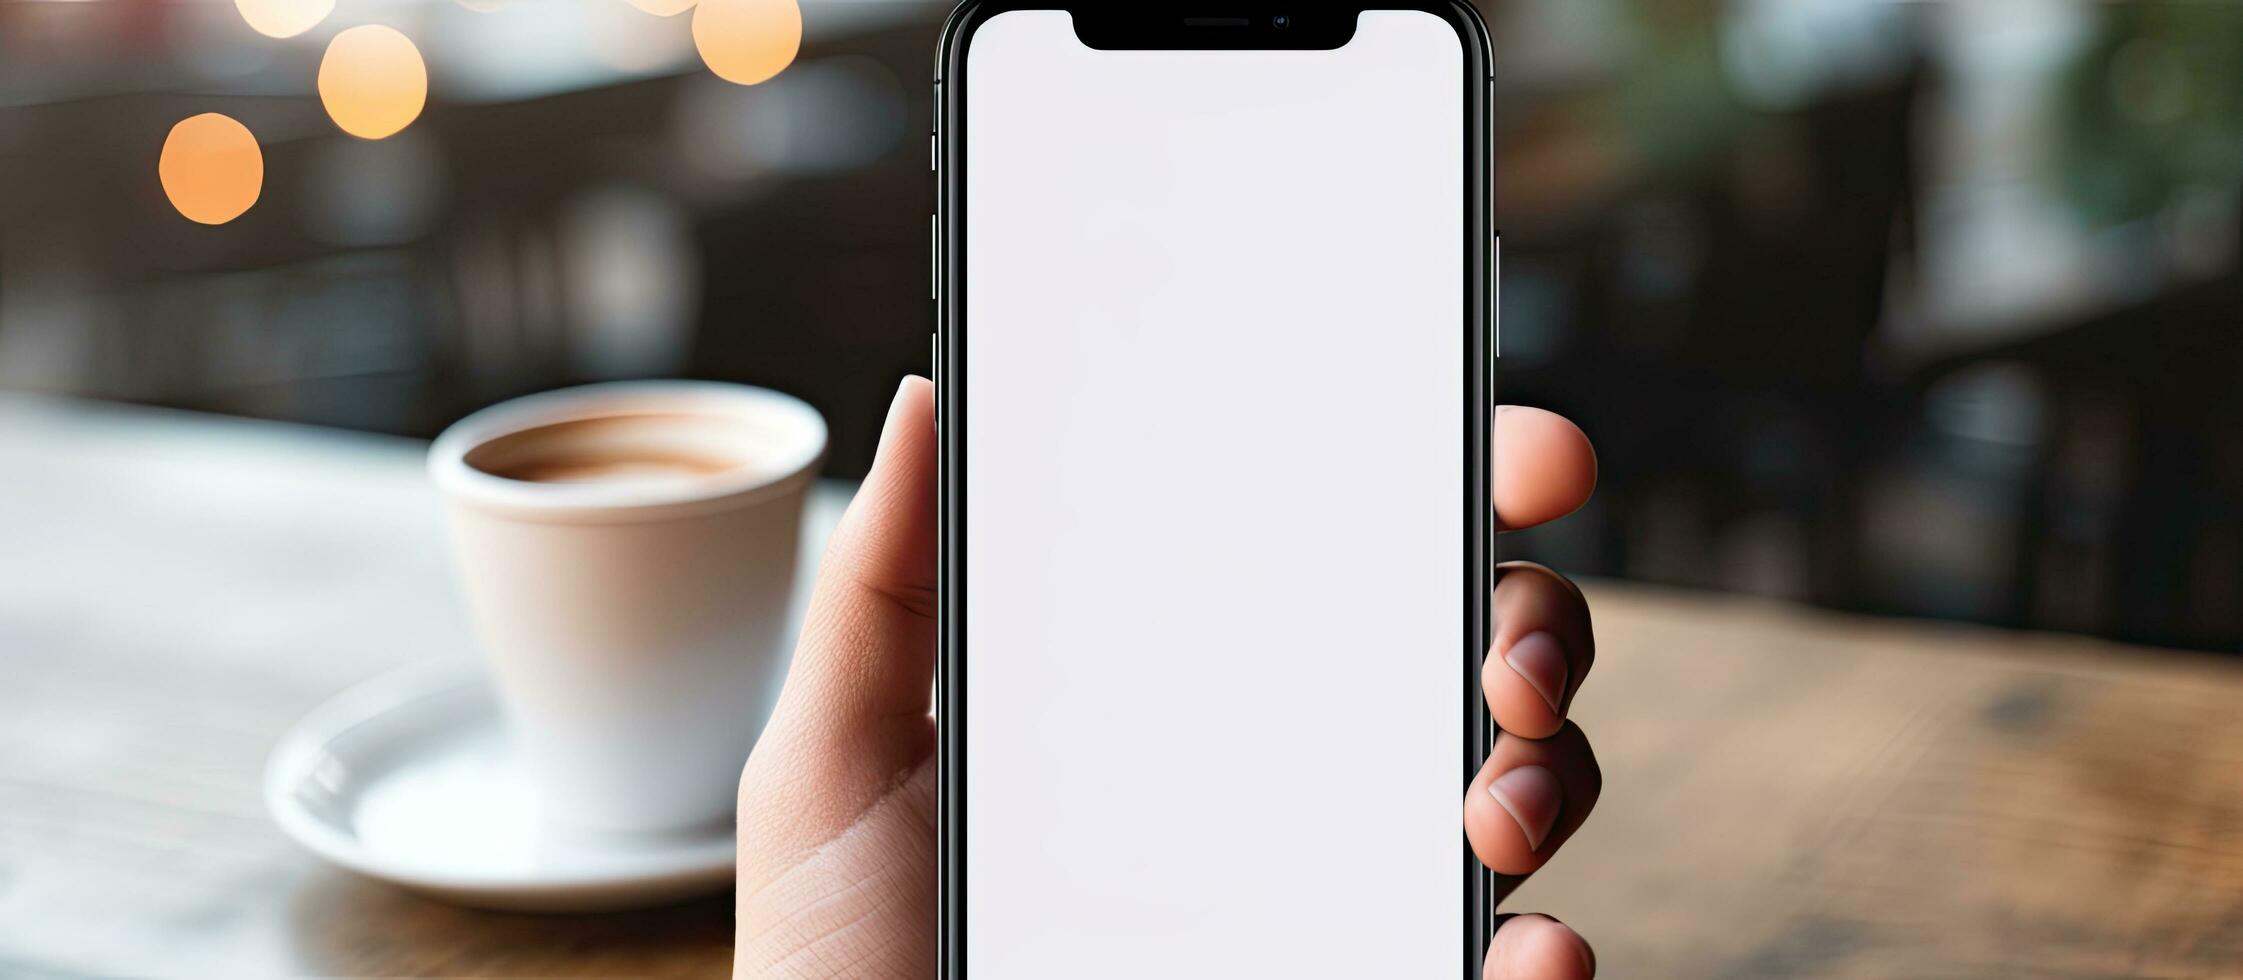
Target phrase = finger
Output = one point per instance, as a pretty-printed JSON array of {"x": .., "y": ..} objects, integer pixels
[
  {"x": 1542, "y": 649},
  {"x": 1544, "y": 467},
  {"x": 1537, "y": 947},
  {"x": 853, "y": 713},
  {"x": 1529, "y": 797},
  {"x": 868, "y": 643}
]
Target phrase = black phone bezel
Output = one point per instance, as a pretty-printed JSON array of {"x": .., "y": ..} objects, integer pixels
[{"x": 1159, "y": 24}]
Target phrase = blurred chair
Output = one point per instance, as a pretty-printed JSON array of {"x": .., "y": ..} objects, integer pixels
[{"x": 1718, "y": 325}]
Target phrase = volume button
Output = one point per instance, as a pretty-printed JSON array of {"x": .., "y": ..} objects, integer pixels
[
  {"x": 1495, "y": 297},
  {"x": 934, "y": 258}
]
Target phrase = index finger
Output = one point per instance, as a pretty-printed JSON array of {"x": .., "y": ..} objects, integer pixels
[{"x": 1544, "y": 467}]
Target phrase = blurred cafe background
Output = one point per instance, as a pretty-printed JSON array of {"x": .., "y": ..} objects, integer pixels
[
  {"x": 1910, "y": 336},
  {"x": 1923, "y": 309}
]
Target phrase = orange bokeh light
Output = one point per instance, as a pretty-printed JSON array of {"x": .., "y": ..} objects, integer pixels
[
  {"x": 211, "y": 168},
  {"x": 283, "y": 18},
  {"x": 372, "y": 81},
  {"x": 747, "y": 41}
]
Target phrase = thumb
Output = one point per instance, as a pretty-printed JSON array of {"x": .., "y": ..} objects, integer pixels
[
  {"x": 868, "y": 645},
  {"x": 853, "y": 716}
]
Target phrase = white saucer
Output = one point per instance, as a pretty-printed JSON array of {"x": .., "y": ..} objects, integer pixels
[{"x": 409, "y": 778}]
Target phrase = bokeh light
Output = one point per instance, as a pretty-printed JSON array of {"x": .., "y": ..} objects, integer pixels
[
  {"x": 284, "y": 18},
  {"x": 372, "y": 81},
  {"x": 211, "y": 168},
  {"x": 747, "y": 41},
  {"x": 663, "y": 8}
]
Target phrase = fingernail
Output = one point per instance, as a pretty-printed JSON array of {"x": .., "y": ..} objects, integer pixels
[
  {"x": 1538, "y": 658},
  {"x": 1530, "y": 794},
  {"x": 902, "y": 400}
]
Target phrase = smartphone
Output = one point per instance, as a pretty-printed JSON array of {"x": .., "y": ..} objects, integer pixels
[{"x": 1213, "y": 386}]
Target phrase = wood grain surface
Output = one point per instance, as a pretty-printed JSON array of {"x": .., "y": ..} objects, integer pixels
[
  {"x": 1794, "y": 794},
  {"x": 1788, "y": 793}
]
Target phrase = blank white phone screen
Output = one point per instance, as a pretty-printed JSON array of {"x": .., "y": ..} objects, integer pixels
[{"x": 1214, "y": 496}]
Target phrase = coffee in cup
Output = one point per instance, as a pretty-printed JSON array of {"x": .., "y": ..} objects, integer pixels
[
  {"x": 650, "y": 448},
  {"x": 628, "y": 554}
]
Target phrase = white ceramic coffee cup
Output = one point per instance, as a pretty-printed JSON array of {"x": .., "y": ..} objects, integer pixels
[{"x": 637, "y": 630}]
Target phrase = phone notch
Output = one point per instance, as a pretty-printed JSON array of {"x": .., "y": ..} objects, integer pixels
[{"x": 1158, "y": 26}]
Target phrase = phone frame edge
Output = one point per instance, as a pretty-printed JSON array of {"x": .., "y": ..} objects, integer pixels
[{"x": 1479, "y": 377}]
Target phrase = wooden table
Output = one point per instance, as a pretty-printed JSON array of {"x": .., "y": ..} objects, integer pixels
[{"x": 1788, "y": 793}]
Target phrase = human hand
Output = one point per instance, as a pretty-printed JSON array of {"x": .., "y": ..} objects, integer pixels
[{"x": 837, "y": 803}]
